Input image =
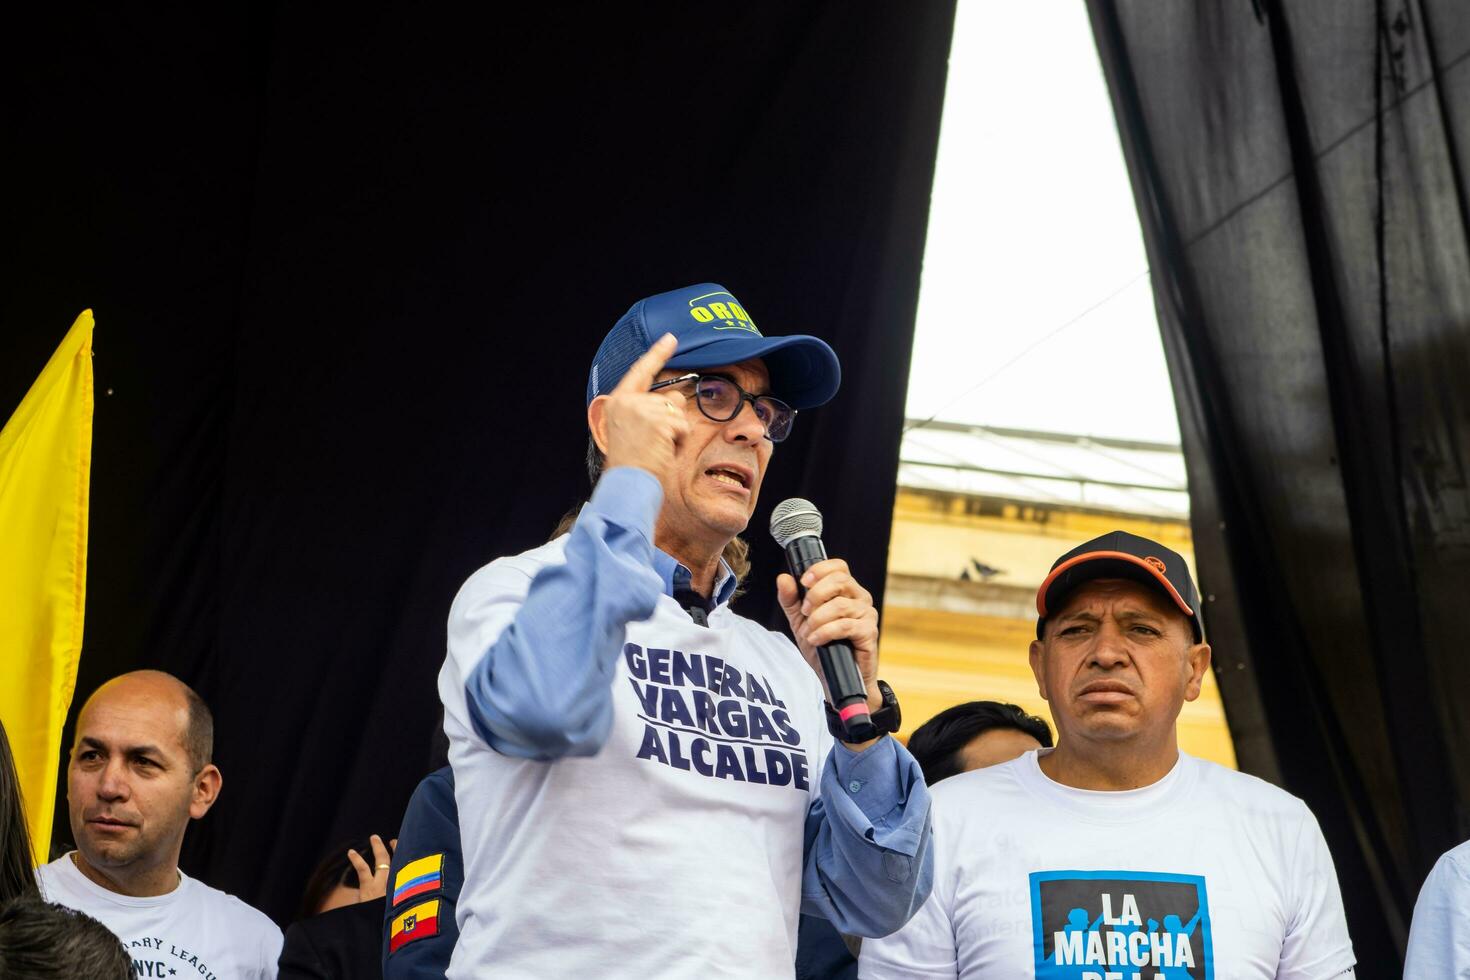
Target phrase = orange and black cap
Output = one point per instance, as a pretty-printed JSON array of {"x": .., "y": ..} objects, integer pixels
[{"x": 1119, "y": 554}]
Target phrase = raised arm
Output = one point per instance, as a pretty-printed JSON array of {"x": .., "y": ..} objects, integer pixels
[
  {"x": 537, "y": 659},
  {"x": 868, "y": 866},
  {"x": 543, "y": 656}
]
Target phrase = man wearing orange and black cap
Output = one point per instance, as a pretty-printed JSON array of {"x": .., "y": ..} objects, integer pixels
[
  {"x": 1115, "y": 854},
  {"x": 1121, "y": 555}
]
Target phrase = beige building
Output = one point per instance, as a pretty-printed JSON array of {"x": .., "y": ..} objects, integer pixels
[{"x": 981, "y": 514}]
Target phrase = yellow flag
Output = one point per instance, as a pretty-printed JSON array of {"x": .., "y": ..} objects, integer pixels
[{"x": 45, "y": 468}]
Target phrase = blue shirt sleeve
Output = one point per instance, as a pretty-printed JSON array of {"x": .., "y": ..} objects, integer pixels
[
  {"x": 868, "y": 862},
  {"x": 544, "y": 688}
]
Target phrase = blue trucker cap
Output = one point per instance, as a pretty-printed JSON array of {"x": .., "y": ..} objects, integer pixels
[{"x": 713, "y": 330}]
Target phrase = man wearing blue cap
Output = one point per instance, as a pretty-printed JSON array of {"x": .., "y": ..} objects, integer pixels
[
  {"x": 1115, "y": 856},
  {"x": 646, "y": 781}
]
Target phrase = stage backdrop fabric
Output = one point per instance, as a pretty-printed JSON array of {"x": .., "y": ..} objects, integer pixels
[
  {"x": 1300, "y": 172},
  {"x": 350, "y": 268}
]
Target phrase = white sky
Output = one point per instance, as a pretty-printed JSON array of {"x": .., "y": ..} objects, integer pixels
[{"x": 1031, "y": 223}]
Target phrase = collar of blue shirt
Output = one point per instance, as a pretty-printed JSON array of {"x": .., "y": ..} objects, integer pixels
[{"x": 678, "y": 580}]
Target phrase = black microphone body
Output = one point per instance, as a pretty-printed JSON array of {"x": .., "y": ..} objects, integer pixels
[{"x": 839, "y": 665}]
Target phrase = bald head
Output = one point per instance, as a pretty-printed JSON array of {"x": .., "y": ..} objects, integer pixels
[
  {"x": 176, "y": 705},
  {"x": 139, "y": 772}
]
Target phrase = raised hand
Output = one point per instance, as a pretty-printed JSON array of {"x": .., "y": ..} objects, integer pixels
[
  {"x": 638, "y": 427},
  {"x": 372, "y": 882}
]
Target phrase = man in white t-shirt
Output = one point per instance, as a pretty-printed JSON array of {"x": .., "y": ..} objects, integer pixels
[
  {"x": 648, "y": 784},
  {"x": 140, "y": 770},
  {"x": 1115, "y": 856},
  {"x": 1439, "y": 939}
]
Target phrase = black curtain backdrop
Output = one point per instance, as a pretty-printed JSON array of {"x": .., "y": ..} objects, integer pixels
[
  {"x": 1300, "y": 172},
  {"x": 349, "y": 268}
]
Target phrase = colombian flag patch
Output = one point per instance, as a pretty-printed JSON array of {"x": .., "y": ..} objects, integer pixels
[
  {"x": 419, "y": 922},
  {"x": 422, "y": 877}
]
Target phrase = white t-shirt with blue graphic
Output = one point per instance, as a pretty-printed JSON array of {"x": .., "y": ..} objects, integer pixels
[
  {"x": 1208, "y": 874},
  {"x": 194, "y": 931},
  {"x": 676, "y": 850}
]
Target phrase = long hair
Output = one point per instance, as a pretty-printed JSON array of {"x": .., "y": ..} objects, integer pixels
[
  {"x": 17, "y": 860},
  {"x": 736, "y": 553}
]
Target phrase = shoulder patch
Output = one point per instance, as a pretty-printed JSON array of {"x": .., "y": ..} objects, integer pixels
[
  {"x": 417, "y": 878},
  {"x": 419, "y": 922}
]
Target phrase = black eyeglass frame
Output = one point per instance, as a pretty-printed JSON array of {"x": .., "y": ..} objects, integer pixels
[{"x": 745, "y": 396}]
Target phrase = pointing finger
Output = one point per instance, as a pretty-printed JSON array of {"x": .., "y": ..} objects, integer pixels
[{"x": 647, "y": 367}]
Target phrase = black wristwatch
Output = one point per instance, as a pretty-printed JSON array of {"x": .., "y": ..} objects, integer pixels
[{"x": 885, "y": 721}]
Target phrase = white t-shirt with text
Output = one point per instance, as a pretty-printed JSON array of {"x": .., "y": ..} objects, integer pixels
[
  {"x": 676, "y": 851},
  {"x": 194, "y": 931},
  {"x": 1208, "y": 874}
]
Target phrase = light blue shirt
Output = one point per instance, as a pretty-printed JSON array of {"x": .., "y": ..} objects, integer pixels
[
  {"x": 544, "y": 690},
  {"x": 677, "y": 578},
  {"x": 1439, "y": 939}
]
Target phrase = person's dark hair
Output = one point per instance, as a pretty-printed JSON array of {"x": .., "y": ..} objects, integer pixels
[
  {"x": 199, "y": 738},
  {"x": 333, "y": 870},
  {"x": 17, "y": 860},
  {"x": 40, "y": 941},
  {"x": 737, "y": 551},
  {"x": 595, "y": 461},
  {"x": 938, "y": 742}
]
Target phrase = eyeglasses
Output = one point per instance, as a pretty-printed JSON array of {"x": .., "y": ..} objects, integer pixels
[{"x": 720, "y": 400}]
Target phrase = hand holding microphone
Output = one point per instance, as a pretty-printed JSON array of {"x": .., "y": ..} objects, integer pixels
[{"x": 831, "y": 616}]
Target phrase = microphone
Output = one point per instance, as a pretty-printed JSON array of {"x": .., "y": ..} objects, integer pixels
[{"x": 796, "y": 525}]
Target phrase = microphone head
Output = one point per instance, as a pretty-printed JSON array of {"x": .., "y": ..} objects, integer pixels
[{"x": 795, "y": 518}]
